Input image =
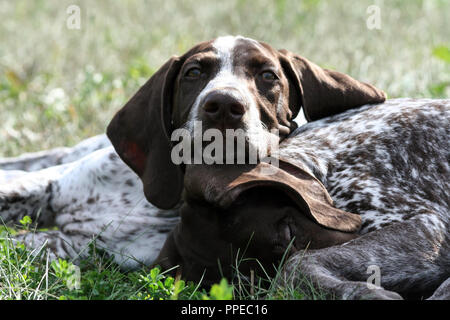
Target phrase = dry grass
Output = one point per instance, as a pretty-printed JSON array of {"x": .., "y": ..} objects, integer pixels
[{"x": 59, "y": 86}]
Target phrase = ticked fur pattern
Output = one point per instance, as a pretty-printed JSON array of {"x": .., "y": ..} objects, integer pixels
[{"x": 387, "y": 162}]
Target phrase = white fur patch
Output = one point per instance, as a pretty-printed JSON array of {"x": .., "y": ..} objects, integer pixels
[
  {"x": 227, "y": 81},
  {"x": 224, "y": 47}
]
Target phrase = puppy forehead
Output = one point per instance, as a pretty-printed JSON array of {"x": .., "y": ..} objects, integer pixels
[
  {"x": 224, "y": 45},
  {"x": 235, "y": 50}
]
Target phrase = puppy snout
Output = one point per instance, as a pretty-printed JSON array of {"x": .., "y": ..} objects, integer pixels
[{"x": 220, "y": 107}]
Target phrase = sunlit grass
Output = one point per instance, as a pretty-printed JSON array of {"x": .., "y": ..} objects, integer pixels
[
  {"x": 32, "y": 275},
  {"x": 59, "y": 86}
]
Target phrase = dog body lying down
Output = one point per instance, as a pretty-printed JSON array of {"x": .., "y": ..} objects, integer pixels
[
  {"x": 240, "y": 83},
  {"x": 386, "y": 162}
]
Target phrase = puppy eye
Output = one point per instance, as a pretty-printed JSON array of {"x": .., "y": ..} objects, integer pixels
[
  {"x": 193, "y": 73},
  {"x": 269, "y": 76}
]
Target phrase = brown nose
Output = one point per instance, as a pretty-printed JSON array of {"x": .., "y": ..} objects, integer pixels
[{"x": 219, "y": 107}]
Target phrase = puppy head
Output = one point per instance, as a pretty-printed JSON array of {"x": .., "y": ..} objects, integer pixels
[
  {"x": 254, "y": 218},
  {"x": 230, "y": 83}
]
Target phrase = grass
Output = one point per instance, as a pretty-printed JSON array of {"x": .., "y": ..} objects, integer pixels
[
  {"x": 31, "y": 275},
  {"x": 26, "y": 275},
  {"x": 59, "y": 86}
]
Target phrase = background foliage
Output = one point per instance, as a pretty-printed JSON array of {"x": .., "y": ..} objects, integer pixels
[{"x": 59, "y": 86}]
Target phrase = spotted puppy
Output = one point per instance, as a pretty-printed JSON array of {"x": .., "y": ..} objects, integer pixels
[
  {"x": 230, "y": 82},
  {"x": 388, "y": 163}
]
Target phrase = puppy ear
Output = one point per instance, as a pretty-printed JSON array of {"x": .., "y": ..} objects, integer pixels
[
  {"x": 323, "y": 92},
  {"x": 306, "y": 191},
  {"x": 139, "y": 133}
]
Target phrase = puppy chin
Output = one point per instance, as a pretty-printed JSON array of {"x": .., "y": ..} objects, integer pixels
[
  {"x": 265, "y": 143},
  {"x": 242, "y": 146},
  {"x": 254, "y": 148}
]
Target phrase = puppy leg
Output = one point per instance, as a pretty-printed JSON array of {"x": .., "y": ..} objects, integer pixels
[
  {"x": 68, "y": 188},
  {"x": 29, "y": 194},
  {"x": 39, "y": 160},
  {"x": 9, "y": 175},
  {"x": 100, "y": 197},
  {"x": 45, "y": 193},
  {"x": 96, "y": 197},
  {"x": 56, "y": 243},
  {"x": 411, "y": 257}
]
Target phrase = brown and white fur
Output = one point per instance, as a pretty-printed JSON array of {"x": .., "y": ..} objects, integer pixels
[{"x": 387, "y": 162}]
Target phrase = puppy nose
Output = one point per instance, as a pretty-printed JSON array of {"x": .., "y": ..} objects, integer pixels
[{"x": 219, "y": 106}]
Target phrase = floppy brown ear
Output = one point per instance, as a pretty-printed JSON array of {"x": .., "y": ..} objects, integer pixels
[
  {"x": 306, "y": 191},
  {"x": 324, "y": 92},
  {"x": 139, "y": 133}
]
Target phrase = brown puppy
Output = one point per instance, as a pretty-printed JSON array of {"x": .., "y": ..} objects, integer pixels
[
  {"x": 254, "y": 218},
  {"x": 227, "y": 83},
  {"x": 230, "y": 83}
]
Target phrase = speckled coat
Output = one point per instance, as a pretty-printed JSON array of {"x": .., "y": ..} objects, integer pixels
[{"x": 387, "y": 162}]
